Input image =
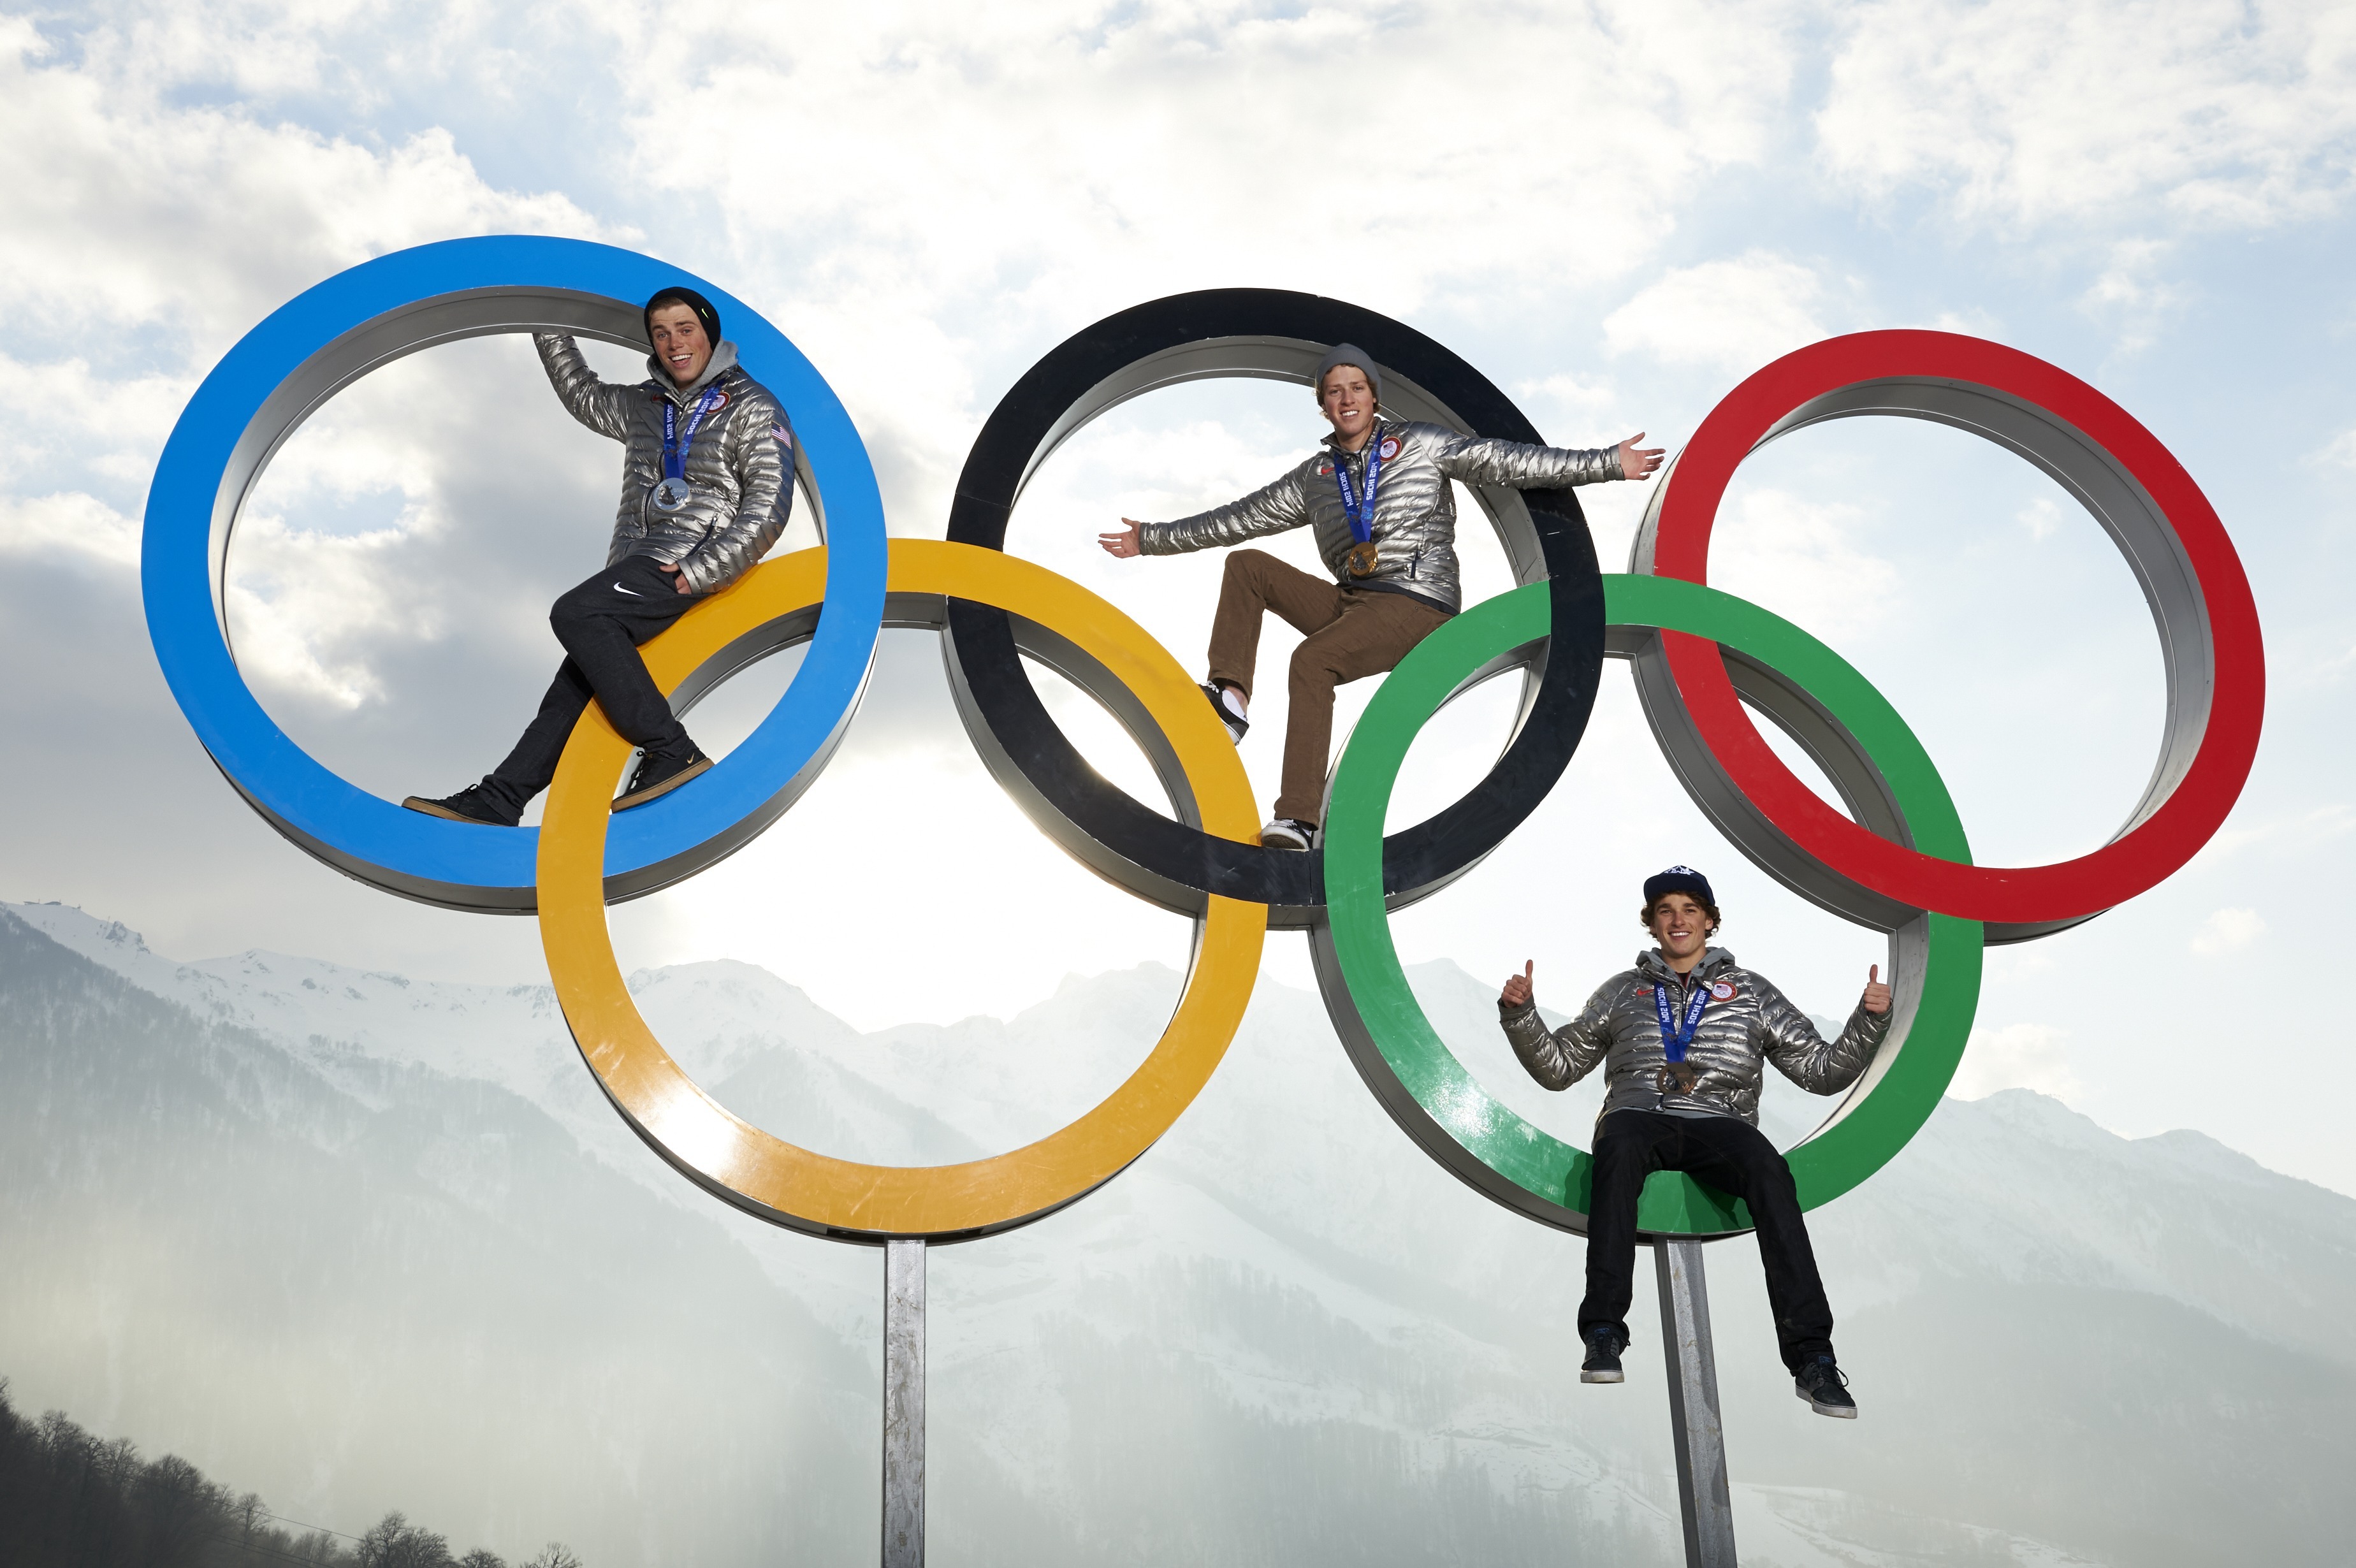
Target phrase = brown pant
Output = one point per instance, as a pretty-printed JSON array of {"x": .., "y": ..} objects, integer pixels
[{"x": 1347, "y": 633}]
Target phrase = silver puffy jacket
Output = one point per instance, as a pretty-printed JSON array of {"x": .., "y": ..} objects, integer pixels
[
  {"x": 1415, "y": 511},
  {"x": 741, "y": 465},
  {"x": 1748, "y": 1020}
]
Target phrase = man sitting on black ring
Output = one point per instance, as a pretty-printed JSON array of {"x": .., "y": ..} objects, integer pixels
[
  {"x": 1682, "y": 1037},
  {"x": 707, "y": 485},
  {"x": 1378, "y": 499}
]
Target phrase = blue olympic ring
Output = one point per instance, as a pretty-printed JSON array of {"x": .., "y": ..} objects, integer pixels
[{"x": 331, "y": 335}]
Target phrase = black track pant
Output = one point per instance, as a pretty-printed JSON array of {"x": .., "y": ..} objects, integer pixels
[
  {"x": 1733, "y": 1157},
  {"x": 601, "y": 623}
]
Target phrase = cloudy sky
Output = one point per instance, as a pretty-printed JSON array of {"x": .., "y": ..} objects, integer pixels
[{"x": 1616, "y": 211}]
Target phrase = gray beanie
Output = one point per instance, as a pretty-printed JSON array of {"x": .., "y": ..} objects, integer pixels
[{"x": 1348, "y": 354}]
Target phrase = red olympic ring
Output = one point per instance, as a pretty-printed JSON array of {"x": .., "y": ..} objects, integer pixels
[{"x": 2148, "y": 850}]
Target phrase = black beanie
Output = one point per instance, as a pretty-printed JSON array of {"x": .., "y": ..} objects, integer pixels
[
  {"x": 1679, "y": 880},
  {"x": 693, "y": 300}
]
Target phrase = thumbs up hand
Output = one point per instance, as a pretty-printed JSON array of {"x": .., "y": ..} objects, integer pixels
[
  {"x": 1517, "y": 991},
  {"x": 1877, "y": 994}
]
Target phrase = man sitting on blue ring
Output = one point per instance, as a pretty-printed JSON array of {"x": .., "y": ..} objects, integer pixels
[
  {"x": 1682, "y": 1037},
  {"x": 707, "y": 485},
  {"x": 1377, "y": 497}
]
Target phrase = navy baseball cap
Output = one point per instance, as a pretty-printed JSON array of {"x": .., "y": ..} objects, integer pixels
[{"x": 1679, "y": 880}]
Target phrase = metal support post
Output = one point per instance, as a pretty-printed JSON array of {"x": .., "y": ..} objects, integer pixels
[
  {"x": 1702, "y": 1501},
  {"x": 903, "y": 1404}
]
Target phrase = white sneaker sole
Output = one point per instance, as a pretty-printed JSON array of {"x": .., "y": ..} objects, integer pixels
[
  {"x": 1836, "y": 1412},
  {"x": 1620, "y": 1377}
]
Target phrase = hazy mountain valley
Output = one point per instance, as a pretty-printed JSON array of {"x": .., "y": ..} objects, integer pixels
[{"x": 361, "y": 1241}]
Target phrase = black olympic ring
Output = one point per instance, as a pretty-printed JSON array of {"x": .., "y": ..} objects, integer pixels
[{"x": 1273, "y": 335}]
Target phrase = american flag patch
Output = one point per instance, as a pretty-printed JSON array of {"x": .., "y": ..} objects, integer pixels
[{"x": 785, "y": 437}]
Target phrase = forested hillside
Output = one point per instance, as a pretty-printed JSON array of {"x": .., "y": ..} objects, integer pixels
[{"x": 71, "y": 1499}]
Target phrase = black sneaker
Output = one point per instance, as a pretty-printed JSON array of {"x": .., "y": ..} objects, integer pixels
[
  {"x": 658, "y": 776},
  {"x": 1235, "y": 722},
  {"x": 468, "y": 804},
  {"x": 1604, "y": 1344},
  {"x": 1825, "y": 1388},
  {"x": 1288, "y": 833}
]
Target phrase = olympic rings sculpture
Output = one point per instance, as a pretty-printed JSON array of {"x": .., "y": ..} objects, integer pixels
[{"x": 1902, "y": 866}]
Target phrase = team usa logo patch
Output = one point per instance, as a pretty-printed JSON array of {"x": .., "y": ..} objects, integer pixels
[
  {"x": 1389, "y": 448},
  {"x": 1723, "y": 991}
]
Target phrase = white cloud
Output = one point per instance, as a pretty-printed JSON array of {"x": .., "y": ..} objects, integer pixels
[
  {"x": 1571, "y": 411},
  {"x": 2132, "y": 294},
  {"x": 1734, "y": 314},
  {"x": 2028, "y": 112},
  {"x": 2016, "y": 1056},
  {"x": 195, "y": 221},
  {"x": 1800, "y": 557},
  {"x": 62, "y": 413},
  {"x": 2341, "y": 450},
  {"x": 2228, "y": 931},
  {"x": 2043, "y": 517},
  {"x": 46, "y": 528},
  {"x": 2318, "y": 824},
  {"x": 307, "y": 610},
  {"x": 946, "y": 194}
]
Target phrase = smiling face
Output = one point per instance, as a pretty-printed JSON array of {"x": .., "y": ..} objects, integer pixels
[
  {"x": 1348, "y": 403},
  {"x": 1682, "y": 927},
  {"x": 681, "y": 346}
]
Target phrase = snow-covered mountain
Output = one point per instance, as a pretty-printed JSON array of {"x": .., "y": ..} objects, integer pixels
[{"x": 362, "y": 1241}]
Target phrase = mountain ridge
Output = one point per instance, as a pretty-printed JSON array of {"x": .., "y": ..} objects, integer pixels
[{"x": 1284, "y": 1277}]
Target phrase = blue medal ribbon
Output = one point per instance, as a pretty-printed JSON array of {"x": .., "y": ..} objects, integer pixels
[
  {"x": 1675, "y": 1039},
  {"x": 674, "y": 453},
  {"x": 1361, "y": 514}
]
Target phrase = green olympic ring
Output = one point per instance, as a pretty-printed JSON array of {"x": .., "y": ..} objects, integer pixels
[{"x": 1934, "y": 962}]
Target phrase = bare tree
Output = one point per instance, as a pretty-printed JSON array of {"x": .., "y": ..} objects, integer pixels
[
  {"x": 555, "y": 1554},
  {"x": 394, "y": 1542}
]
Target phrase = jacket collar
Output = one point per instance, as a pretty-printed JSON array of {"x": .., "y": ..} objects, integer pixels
[
  {"x": 1373, "y": 439},
  {"x": 724, "y": 359},
  {"x": 1713, "y": 959}
]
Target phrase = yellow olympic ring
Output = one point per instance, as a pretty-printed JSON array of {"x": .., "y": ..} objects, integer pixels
[{"x": 741, "y": 1164}]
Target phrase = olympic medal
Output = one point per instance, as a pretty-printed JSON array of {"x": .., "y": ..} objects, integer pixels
[
  {"x": 1363, "y": 558},
  {"x": 671, "y": 495}
]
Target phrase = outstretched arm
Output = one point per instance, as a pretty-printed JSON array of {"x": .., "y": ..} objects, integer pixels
[
  {"x": 1557, "y": 1057},
  {"x": 1479, "y": 460},
  {"x": 1270, "y": 509},
  {"x": 595, "y": 403},
  {"x": 1804, "y": 1057}
]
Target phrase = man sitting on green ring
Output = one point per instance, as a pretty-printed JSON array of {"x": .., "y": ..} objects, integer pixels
[
  {"x": 1377, "y": 497},
  {"x": 1682, "y": 1037}
]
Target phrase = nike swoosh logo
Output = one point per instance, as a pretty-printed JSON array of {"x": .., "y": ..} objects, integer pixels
[{"x": 619, "y": 589}]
